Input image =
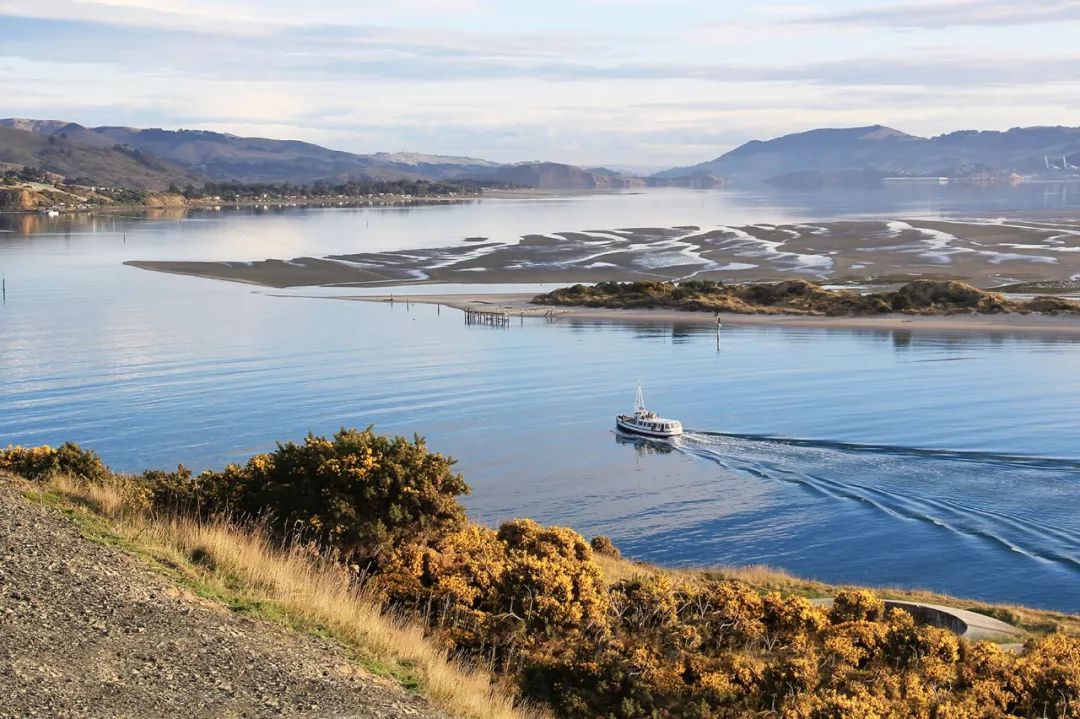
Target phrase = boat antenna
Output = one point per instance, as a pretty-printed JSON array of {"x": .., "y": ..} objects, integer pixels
[{"x": 639, "y": 400}]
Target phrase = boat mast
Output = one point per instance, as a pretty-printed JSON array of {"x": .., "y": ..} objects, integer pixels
[{"x": 639, "y": 400}]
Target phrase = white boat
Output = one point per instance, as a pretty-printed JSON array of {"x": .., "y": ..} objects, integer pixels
[{"x": 642, "y": 421}]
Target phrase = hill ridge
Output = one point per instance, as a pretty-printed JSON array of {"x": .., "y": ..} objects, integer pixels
[
  {"x": 821, "y": 155},
  {"x": 221, "y": 156}
]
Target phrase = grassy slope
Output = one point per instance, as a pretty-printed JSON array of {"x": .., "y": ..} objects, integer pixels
[
  {"x": 247, "y": 573},
  {"x": 292, "y": 586}
]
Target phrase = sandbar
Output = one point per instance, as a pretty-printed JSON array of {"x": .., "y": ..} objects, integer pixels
[{"x": 518, "y": 304}]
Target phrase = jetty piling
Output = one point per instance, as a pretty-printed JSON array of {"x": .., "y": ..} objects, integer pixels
[{"x": 488, "y": 318}]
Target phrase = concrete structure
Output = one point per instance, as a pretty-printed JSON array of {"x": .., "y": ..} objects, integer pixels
[{"x": 969, "y": 625}]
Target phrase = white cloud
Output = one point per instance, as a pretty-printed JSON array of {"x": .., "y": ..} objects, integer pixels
[
  {"x": 232, "y": 17},
  {"x": 952, "y": 13}
]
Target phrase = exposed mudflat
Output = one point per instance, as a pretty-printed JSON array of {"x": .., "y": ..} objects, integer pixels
[
  {"x": 985, "y": 252},
  {"x": 87, "y": 631}
]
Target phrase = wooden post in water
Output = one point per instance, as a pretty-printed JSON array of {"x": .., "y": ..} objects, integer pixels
[
  {"x": 3, "y": 286},
  {"x": 485, "y": 317}
]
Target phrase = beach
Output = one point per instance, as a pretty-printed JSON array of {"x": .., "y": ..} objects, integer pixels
[{"x": 519, "y": 304}]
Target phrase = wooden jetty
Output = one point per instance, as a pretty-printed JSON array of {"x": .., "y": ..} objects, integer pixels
[{"x": 490, "y": 318}]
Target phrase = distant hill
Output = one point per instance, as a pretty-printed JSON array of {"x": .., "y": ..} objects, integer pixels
[
  {"x": 192, "y": 154},
  {"x": 221, "y": 156},
  {"x": 553, "y": 175},
  {"x": 95, "y": 161},
  {"x": 152, "y": 159},
  {"x": 833, "y": 155}
]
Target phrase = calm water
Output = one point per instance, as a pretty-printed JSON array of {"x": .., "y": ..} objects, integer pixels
[{"x": 942, "y": 461}]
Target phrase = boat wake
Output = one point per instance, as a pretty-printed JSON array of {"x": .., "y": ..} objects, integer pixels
[{"x": 1020, "y": 504}]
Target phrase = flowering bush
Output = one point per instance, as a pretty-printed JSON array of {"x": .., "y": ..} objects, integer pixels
[
  {"x": 40, "y": 463},
  {"x": 358, "y": 492}
]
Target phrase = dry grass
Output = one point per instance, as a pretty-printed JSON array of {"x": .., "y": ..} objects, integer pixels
[{"x": 298, "y": 585}]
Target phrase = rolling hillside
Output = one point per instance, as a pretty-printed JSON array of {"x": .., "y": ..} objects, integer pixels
[
  {"x": 198, "y": 155},
  {"x": 93, "y": 162},
  {"x": 830, "y": 154},
  {"x": 154, "y": 158}
]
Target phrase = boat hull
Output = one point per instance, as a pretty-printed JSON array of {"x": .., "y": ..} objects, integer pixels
[{"x": 629, "y": 426}]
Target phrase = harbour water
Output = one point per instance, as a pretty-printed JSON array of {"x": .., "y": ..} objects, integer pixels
[{"x": 918, "y": 459}]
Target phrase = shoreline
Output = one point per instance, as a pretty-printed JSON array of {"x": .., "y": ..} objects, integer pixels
[
  {"x": 216, "y": 205},
  {"x": 517, "y": 304}
]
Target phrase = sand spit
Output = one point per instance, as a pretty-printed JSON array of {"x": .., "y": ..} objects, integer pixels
[
  {"x": 984, "y": 252},
  {"x": 519, "y": 305}
]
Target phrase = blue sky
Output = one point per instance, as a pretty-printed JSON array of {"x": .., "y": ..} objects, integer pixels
[{"x": 649, "y": 83}]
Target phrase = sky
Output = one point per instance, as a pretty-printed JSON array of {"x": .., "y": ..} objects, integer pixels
[{"x": 630, "y": 83}]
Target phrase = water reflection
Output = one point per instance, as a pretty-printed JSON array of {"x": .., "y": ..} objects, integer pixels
[{"x": 643, "y": 445}]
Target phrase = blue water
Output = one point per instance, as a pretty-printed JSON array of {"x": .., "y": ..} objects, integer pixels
[{"x": 891, "y": 458}]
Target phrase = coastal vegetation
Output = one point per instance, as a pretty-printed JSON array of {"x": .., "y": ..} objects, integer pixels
[
  {"x": 800, "y": 297},
  {"x": 361, "y": 537},
  {"x": 255, "y": 191}
]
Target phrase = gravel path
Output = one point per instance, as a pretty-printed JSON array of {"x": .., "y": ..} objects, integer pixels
[{"x": 85, "y": 631}]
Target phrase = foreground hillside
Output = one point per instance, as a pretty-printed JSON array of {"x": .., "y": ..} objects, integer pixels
[
  {"x": 87, "y": 630},
  {"x": 356, "y": 529}
]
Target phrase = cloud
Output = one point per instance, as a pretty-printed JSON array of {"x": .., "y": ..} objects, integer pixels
[
  {"x": 427, "y": 56},
  {"x": 229, "y": 17},
  {"x": 953, "y": 13}
]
